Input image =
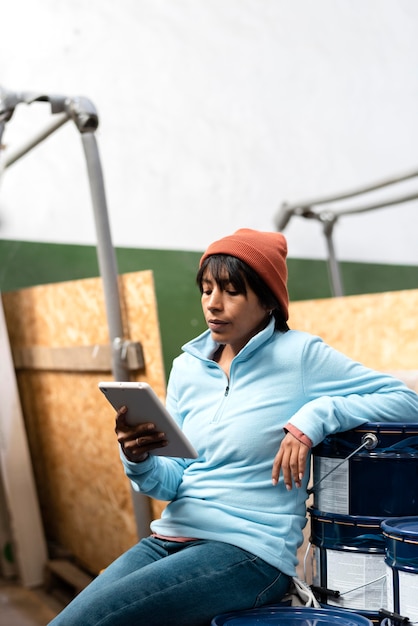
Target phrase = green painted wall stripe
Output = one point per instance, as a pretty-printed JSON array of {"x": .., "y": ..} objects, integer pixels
[{"x": 25, "y": 264}]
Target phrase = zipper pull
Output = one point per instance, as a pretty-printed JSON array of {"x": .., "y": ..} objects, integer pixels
[{"x": 226, "y": 390}]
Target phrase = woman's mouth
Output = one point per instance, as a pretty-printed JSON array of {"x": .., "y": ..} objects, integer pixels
[{"x": 216, "y": 325}]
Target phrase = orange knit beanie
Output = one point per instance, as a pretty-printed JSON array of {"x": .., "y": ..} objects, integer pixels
[{"x": 265, "y": 252}]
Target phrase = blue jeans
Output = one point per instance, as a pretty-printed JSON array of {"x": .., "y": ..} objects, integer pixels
[{"x": 159, "y": 583}]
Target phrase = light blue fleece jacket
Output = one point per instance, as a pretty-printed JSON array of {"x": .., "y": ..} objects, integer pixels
[{"x": 237, "y": 426}]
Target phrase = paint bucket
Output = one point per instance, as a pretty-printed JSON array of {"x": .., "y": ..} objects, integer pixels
[
  {"x": 291, "y": 616},
  {"x": 379, "y": 481},
  {"x": 349, "y": 561},
  {"x": 373, "y": 616},
  {"x": 401, "y": 542}
]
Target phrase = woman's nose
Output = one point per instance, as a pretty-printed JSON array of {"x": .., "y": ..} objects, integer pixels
[{"x": 215, "y": 300}]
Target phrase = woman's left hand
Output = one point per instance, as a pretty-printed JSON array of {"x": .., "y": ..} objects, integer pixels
[{"x": 291, "y": 460}]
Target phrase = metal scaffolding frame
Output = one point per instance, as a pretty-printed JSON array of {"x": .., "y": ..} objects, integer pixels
[
  {"x": 318, "y": 209},
  {"x": 83, "y": 113}
]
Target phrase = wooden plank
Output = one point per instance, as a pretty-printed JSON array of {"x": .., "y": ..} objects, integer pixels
[
  {"x": 409, "y": 377},
  {"x": 8, "y": 566},
  {"x": 17, "y": 475},
  {"x": 380, "y": 330},
  {"x": 77, "y": 358},
  {"x": 68, "y": 572},
  {"x": 85, "y": 496}
]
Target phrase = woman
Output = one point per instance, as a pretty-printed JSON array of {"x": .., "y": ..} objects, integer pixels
[{"x": 253, "y": 397}]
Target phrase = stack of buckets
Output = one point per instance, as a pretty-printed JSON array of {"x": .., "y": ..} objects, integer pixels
[{"x": 364, "y": 520}]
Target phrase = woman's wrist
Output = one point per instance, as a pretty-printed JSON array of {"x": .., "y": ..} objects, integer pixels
[
  {"x": 134, "y": 458},
  {"x": 142, "y": 458},
  {"x": 298, "y": 434}
]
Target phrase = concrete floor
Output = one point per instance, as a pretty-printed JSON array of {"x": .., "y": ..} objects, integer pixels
[{"x": 26, "y": 607}]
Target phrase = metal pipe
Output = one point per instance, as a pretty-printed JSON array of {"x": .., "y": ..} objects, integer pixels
[
  {"x": 37, "y": 139},
  {"x": 105, "y": 252},
  {"x": 355, "y": 192},
  {"x": 109, "y": 273},
  {"x": 283, "y": 217},
  {"x": 329, "y": 216},
  {"x": 333, "y": 265},
  {"x": 376, "y": 205},
  {"x": 84, "y": 115}
]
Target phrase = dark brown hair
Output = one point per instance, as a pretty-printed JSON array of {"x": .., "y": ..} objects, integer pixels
[{"x": 228, "y": 270}]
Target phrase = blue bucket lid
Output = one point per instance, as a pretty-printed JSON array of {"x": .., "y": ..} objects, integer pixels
[
  {"x": 348, "y": 520},
  {"x": 291, "y": 616},
  {"x": 401, "y": 526}
]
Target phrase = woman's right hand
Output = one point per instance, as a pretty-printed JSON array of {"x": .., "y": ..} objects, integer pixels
[
  {"x": 137, "y": 441},
  {"x": 291, "y": 460}
]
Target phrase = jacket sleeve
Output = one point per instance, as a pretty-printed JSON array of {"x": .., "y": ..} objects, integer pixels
[
  {"x": 341, "y": 394},
  {"x": 158, "y": 477}
]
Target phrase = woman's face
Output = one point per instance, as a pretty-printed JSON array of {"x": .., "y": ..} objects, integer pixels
[{"x": 232, "y": 317}]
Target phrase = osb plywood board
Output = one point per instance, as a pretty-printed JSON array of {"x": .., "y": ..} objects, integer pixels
[
  {"x": 84, "y": 494},
  {"x": 379, "y": 330}
]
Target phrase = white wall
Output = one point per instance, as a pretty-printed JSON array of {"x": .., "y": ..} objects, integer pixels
[{"x": 212, "y": 113}]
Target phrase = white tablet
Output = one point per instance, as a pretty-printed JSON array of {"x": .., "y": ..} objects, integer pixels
[{"x": 144, "y": 405}]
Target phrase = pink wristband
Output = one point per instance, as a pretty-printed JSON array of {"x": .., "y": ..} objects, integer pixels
[{"x": 298, "y": 434}]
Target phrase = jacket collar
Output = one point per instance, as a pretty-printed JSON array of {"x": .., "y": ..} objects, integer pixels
[{"x": 203, "y": 346}]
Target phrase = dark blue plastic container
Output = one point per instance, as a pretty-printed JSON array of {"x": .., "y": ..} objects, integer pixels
[
  {"x": 401, "y": 540},
  {"x": 339, "y": 532},
  {"x": 380, "y": 482},
  {"x": 372, "y": 616},
  {"x": 349, "y": 561},
  {"x": 291, "y": 616}
]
